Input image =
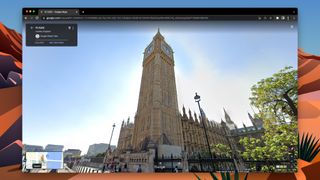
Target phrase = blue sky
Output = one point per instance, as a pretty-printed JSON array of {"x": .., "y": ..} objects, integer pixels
[
  {"x": 309, "y": 25},
  {"x": 73, "y": 95}
]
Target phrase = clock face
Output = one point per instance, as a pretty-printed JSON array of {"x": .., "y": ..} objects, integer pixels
[
  {"x": 166, "y": 49},
  {"x": 149, "y": 49}
]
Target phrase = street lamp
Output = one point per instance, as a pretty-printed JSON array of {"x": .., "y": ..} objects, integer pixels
[
  {"x": 109, "y": 148},
  {"x": 113, "y": 126},
  {"x": 197, "y": 99}
]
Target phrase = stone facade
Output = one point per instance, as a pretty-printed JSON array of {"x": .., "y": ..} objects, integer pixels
[
  {"x": 125, "y": 136},
  {"x": 225, "y": 132},
  {"x": 194, "y": 136},
  {"x": 157, "y": 117},
  {"x": 132, "y": 160},
  {"x": 158, "y": 121}
]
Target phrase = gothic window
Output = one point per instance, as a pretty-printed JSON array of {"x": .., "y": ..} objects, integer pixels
[
  {"x": 142, "y": 127},
  {"x": 169, "y": 99},
  {"x": 149, "y": 122},
  {"x": 163, "y": 120},
  {"x": 164, "y": 97},
  {"x": 150, "y": 98}
]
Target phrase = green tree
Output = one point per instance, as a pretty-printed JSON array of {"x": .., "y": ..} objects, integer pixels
[
  {"x": 277, "y": 96},
  {"x": 221, "y": 150},
  {"x": 276, "y": 100}
]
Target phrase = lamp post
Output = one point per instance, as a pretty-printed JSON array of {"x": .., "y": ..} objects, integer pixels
[
  {"x": 113, "y": 126},
  {"x": 197, "y": 99},
  {"x": 109, "y": 148}
]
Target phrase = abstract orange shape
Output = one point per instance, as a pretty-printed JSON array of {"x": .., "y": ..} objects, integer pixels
[
  {"x": 312, "y": 171},
  {"x": 10, "y": 42},
  {"x": 9, "y": 118},
  {"x": 300, "y": 174}
]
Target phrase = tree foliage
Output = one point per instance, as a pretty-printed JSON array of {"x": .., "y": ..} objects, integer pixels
[
  {"x": 275, "y": 143},
  {"x": 221, "y": 150},
  {"x": 276, "y": 100},
  {"x": 277, "y": 96}
]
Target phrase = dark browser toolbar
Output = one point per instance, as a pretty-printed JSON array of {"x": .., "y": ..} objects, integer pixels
[{"x": 160, "y": 14}]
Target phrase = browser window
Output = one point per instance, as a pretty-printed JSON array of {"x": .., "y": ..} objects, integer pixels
[{"x": 110, "y": 90}]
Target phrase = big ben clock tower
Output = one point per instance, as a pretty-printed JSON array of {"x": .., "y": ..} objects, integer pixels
[{"x": 157, "y": 118}]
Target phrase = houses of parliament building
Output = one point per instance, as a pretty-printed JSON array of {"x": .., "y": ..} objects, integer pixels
[{"x": 193, "y": 133}]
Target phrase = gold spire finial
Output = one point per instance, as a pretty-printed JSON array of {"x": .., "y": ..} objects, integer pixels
[{"x": 158, "y": 35}]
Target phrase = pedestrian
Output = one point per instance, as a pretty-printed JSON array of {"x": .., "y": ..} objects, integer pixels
[
  {"x": 176, "y": 170},
  {"x": 125, "y": 167},
  {"x": 139, "y": 170}
]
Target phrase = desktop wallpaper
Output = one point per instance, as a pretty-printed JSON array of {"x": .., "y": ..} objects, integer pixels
[{"x": 11, "y": 89}]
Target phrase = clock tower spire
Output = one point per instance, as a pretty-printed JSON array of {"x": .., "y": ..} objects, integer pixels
[{"x": 157, "y": 117}]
